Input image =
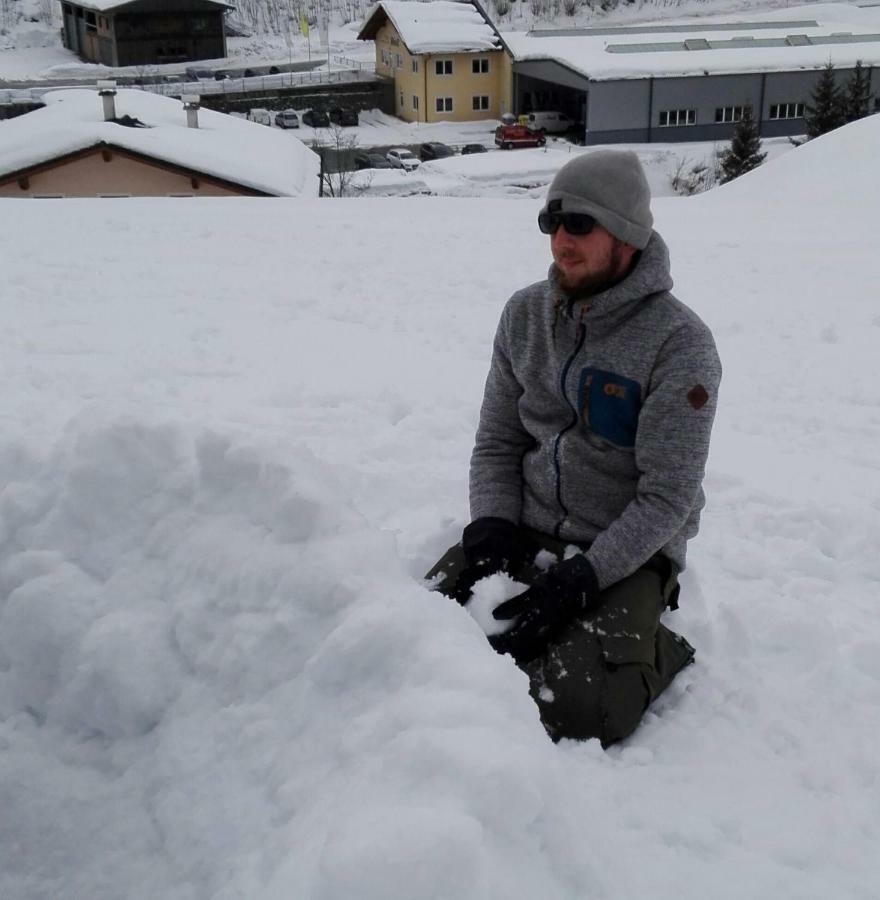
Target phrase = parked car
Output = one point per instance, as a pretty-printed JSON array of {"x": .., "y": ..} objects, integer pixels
[
  {"x": 371, "y": 161},
  {"x": 402, "y": 159},
  {"x": 260, "y": 116},
  {"x": 550, "y": 122},
  {"x": 317, "y": 118},
  {"x": 287, "y": 118},
  {"x": 435, "y": 150},
  {"x": 509, "y": 136},
  {"x": 196, "y": 74},
  {"x": 342, "y": 115},
  {"x": 473, "y": 148}
]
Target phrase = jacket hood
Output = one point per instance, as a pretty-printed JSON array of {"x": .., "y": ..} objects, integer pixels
[{"x": 651, "y": 275}]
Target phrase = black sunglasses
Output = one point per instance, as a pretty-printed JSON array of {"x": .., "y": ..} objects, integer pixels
[{"x": 574, "y": 223}]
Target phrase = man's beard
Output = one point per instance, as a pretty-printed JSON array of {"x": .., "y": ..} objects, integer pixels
[{"x": 596, "y": 282}]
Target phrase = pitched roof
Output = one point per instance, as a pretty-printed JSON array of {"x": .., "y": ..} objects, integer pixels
[
  {"x": 110, "y": 5},
  {"x": 440, "y": 26},
  {"x": 225, "y": 147}
]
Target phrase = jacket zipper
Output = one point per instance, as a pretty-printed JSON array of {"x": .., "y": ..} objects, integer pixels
[{"x": 579, "y": 343}]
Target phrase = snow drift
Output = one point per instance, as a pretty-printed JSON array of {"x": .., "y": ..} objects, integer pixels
[{"x": 223, "y": 472}]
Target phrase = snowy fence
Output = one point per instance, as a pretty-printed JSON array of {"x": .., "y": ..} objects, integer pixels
[{"x": 260, "y": 83}]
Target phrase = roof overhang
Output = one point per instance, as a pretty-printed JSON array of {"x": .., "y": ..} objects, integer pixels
[
  {"x": 375, "y": 20},
  {"x": 107, "y": 147},
  {"x": 113, "y": 6},
  {"x": 552, "y": 70}
]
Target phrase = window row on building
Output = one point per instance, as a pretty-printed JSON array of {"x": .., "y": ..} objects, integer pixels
[
  {"x": 393, "y": 60},
  {"x": 671, "y": 118},
  {"x": 479, "y": 66},
  {"x": 479, "y": 103}
]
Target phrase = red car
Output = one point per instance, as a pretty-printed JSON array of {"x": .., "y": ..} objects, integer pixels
[{"x": 509, "y": 136}]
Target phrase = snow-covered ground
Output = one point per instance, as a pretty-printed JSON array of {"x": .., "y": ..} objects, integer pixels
[
  {"x": 505, "y": 173},
  {"x": 236, "y": 433}
]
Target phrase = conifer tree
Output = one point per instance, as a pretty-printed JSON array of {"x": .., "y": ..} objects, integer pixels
[
  {"x": 744, "y": 153},
  {"x": 857, "y": 94},
  {"x": 825, "y": 113}
]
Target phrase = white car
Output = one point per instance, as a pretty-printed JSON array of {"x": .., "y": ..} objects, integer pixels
[
  {"x": 402, "y": 159},
  {"x": 260, "y": 116}
]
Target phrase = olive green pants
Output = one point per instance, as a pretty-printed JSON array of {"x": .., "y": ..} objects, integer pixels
[{"x": 600, "y": 673}]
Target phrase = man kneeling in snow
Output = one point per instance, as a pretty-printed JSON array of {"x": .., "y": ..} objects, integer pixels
[{"x": 585, "y": 479}]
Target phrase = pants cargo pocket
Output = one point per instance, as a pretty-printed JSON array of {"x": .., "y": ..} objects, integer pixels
[{"x": 630, "y": 681}]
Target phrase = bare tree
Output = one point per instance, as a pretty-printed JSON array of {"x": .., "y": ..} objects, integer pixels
[{"x": 337, "y": 152}]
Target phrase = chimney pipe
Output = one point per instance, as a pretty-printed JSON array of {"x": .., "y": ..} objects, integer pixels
[
  {"x": 107, "y": 93},
  {"x": 191, "y": 103}
]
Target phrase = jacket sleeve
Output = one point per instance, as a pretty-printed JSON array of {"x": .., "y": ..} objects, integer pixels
[
  {"x": 501, "y": 441},
  {"x": 671, "y": 448}
]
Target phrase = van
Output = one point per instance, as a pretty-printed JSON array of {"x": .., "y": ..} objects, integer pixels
[
  {"x": 550, "y": 122},
  {"x": 260, "y": 116},
  {"x": 509, "y": 136}
]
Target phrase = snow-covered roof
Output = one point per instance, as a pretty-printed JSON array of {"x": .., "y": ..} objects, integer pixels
[
  {"x": 107, "y": 5},
  {"x": 785, "y": 40},
  {"x": 226, "y": 147},
  {"x": 440, "y": 26}
]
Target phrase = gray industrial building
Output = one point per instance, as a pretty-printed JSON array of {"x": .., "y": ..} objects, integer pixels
[
  {"x": 144, "y": 32},
  {"x": 684, "y": 83}
]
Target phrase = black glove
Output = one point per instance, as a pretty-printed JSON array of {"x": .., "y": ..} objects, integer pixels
[
  {"x": 564, "y": 592},
  {"x": 490, "y": 545}
]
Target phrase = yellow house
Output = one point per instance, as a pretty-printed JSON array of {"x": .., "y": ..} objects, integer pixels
[{"x": 447, "y": 60}]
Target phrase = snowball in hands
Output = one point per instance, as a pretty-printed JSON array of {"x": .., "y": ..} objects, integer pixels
[{"x": 488, "y": 593}]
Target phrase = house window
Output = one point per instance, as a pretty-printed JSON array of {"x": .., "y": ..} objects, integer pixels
[
  {"x": 443, "y": 67},
  {"x": 415, "y": 101},
  {"x": 415, "y": 65},
  {"x": 401, "y": 99},
  {"x": 729, "y": 113},
  {"x": 398, "y": 61},
  {"x": 481, "y": 102},
  {"x": 787, "y": 110},
  {"x": 479, "y": 66},
  {"x": 672, "y": 117},
  {"x": 443, "y": 104}
]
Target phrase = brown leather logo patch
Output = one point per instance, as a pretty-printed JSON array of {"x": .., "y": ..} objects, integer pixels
[{"x": 698, "y": 396}]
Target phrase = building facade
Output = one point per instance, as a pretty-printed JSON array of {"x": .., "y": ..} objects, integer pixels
[
  {"x": 666, "y": 83},
  {"x": 109, "y": 171},
  {"x": 434, "y": 81}
]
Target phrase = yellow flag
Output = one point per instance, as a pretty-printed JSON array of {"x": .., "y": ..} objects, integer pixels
[{"x": 303, "y": 25}]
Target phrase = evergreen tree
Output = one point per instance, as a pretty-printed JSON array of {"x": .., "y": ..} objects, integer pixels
[
  {"x": 857, "y": 95},
  {"x": 744, "y": 153},
  {"x": 825, "y": 113}
]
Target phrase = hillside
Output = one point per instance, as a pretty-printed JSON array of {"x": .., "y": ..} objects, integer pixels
[{"x": 234, "y": 438}]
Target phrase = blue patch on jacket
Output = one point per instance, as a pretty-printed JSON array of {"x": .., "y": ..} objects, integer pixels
[{"x": 609, "y": 405}]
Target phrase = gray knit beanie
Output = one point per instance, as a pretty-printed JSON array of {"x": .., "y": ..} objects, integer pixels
[{"x": 609, "y": 185}]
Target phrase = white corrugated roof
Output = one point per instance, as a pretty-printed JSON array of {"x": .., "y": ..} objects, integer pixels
[
  {"x": 265, "y": 159},
  {"x": 441, "y": 26},
  {"x": 602, "y": 56}
]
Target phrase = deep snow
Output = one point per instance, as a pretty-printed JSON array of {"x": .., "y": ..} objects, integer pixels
[{"x": 236, "y": 433}]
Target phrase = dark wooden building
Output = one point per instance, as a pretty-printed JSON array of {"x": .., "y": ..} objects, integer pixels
[{"x": 145, "y": 32}]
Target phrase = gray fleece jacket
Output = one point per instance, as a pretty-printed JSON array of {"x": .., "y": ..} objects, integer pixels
[{"x": 596, "y": 418}]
